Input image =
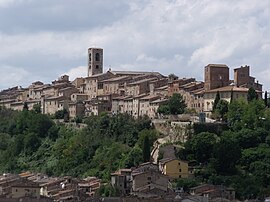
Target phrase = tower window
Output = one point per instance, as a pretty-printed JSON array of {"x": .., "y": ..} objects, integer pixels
[
  {"x": 97, "y": 66},
  {"x": 89, "y": 56},
  {"x": 97, "y": 57}
]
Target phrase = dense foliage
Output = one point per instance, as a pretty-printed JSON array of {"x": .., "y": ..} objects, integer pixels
[
  {"x": 32, "y": 141},
  {"x": 175, "y": 105},
  {"x": 238, "y": 156}
]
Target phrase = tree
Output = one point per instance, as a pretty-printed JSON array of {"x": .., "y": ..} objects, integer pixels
[
  {"x": 217, "y": 99},
  {"x": 37, "y": 108},
  {"x": 175, "y": 105},
  {"x": 226, "y": 154},
  {"x": 252, "y": 95},
  {"x": 202, "y": 145},
  {"x": 222, "y": 109},
  {"x": 265, "y": 99},
  {"x": 146, "y": 149},
  {"x": 25, "y": 106}
]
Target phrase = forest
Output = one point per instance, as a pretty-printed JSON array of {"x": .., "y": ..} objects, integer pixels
[{"x": 33, "y": 141}]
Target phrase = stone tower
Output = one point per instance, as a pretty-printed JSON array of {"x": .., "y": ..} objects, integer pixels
[
  {"x": 216, "y": 76},
  {"x": 95, "y": 61}
]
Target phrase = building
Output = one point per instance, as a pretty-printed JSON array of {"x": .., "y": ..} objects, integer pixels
[
  {"x": 175, "y": 168},
  {"x": 227, "y": 93},
  {"x": 216, "y": 76},
  {"x": 25, "y": 188},
  {"x": 95, "y": 61},
  {"x": 242, "y": 78},
  {"x": 121, "y": 180}
]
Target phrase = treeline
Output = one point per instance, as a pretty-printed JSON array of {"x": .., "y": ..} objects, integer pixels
[
  {"x": 237, "y": 156},
  {"x": 32, "y": 141}
]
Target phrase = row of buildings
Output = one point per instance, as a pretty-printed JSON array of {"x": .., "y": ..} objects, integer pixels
[
  {"x": 39, "y": 187},
  {"x": 153, "y": 181},
  {"x": 147, "y": 182},
  {"x": 132, "y": 92}
]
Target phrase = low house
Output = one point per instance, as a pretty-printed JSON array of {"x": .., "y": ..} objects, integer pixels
[
  {"x": 148, "y": 181},
  {"x": 121, "y": 180},
  {"x": 174, "y": 168},
  {"x": 25, "y": 188},
  {"x": 213, "y": 191}
]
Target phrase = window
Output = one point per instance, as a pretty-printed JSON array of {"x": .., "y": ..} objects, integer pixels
[
  {"x": 89, "y": 56},
  {"x": 180, "y": 170},
  {"x": 97, "y": 57},
  {"x": 97, "y": 66}
]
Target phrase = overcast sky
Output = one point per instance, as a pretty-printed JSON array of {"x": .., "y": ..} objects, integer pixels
[{"x": 43, "y": 39}]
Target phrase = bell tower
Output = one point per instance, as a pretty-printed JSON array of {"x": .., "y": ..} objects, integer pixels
[{"x": 95, "y": 61}]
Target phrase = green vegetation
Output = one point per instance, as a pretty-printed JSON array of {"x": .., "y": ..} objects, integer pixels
[
  {"x": 235, "y": 153},
  {"x": 175, "y": 105},
  {"x": 238, "y": 155},
  {"x": 32, "y": 141}
]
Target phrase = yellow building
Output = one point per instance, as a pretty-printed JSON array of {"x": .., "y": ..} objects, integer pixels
[{"x": 174, "y": 168}]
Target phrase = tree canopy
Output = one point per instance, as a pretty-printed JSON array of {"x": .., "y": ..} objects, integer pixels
[{"x": 175, "y": 105}]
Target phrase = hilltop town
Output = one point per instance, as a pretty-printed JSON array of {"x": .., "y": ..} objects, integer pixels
[
  {"x": 133, "y": 92},
  {"x": 128, "y": 150}
]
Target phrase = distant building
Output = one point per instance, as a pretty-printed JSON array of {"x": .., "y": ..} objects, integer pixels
[
  {"x": 175, "y": 168},
  {"x": 121, "y": 180},
  {"x": 242, "y": 78},
  {"x": 95, "y": 61},
  {"x": 216, "y": 76}
]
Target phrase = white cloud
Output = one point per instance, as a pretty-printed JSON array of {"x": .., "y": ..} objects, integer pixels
[
  {"x": 159, "y": 35},
  {"x": 76, "y": 72},
  {"x": 13, "y": 76}
]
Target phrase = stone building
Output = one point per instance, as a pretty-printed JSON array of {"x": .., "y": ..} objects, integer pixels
[
  {"x": 121, "y": 180},
  {"x": 242, "y": 78},
  {"x": 95, "y": 61},
  {"x": 226, "y": 93},
  {"x": 216, "y": 76}
]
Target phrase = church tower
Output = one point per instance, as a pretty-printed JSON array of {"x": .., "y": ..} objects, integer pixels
[{"x": 95, "y": 61}]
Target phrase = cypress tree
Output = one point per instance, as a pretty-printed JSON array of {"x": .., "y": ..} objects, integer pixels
[
  {"x": 146, "y": 149},
  {"x": 252, "y": 95},
  {"x": 265, "y": 99},
  {"x": 216, "y": 101}
]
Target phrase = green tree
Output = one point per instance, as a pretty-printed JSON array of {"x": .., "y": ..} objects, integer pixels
[
  {"x": 226, "y": 154},
  {"x": 217, "y": 99},
  {"x": 266, "y": 99},
  {"x": 146, "y": 149},
  {"x": 134, "y": 157},
  {"x": 201, "y": 146},
  {"x": 175, "y": 105},
  {"x": 37, "y": 108},
  {"x": 222, "y": 109},
  {"x": 252, "y": 95},
  {"x": 25, "y": 106}
]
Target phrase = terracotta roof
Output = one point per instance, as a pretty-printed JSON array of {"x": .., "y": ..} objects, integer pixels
[
  {"x": 228, "y": 89},
  {"x": 117, "y": 79},
  {"x": 142, "y": 81},
  {"x": 150, "y": 97}
]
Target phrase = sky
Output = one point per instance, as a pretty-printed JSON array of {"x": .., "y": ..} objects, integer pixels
[{"x": 44, "y": 39}]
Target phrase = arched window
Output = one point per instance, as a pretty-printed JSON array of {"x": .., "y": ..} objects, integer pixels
[
  {"x": 89, "y": 56},
  {"x": 97, "y": 57}
]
